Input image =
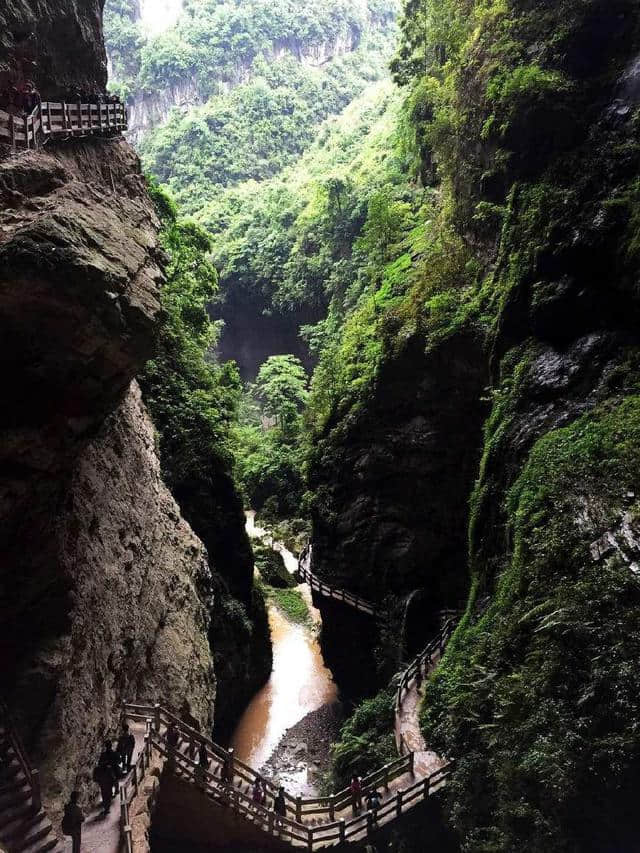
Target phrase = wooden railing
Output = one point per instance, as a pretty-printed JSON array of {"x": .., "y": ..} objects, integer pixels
[
  {"x": 328, "y": 591},
  {"x": 423, "y": 661},
  {"x": 31, "y": 774},
  {"x": 289, "y": 827},
  {"x": 129, "y": 789},
  {"x": 60, "y": 119},
  {"x": 219, "y": 757}
]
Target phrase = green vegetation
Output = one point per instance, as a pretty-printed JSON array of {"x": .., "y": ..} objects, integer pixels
[
  {"x": 366, "y": 740},
  {"x": 271, "y": 566},
  {"x": 538, "y": 697},
  {"x": 193, "y": 400},
  {"x": 291, "y": 603}
]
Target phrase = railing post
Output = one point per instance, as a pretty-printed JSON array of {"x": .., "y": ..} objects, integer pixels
[
  {"x": 270, "y": 827},
  {"x": 299, "y": 808},
  {"x": 385, "y": 777},
  {"x": 36, "y": 793},
  {"x": 156, "y": 709},
  {"x": 342, "y": 830},
  {"x": 412, "y": 757},
  {"x": 135, "y": 780},
  {"x": 310, "y": 839},
  {"x": 231, "y": 765},
  {"x": 369, "y": 823},
  {"x": 425, "y": 789},
  {"x": 332, "y": 807},
  {"x": 399, "y": 802},
  {"x": 26, "y": 130}
]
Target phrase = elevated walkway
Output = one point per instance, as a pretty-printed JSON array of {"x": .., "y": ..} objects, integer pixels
[
  {"x": 61, "y": 120},
  {"x": 224, "y": 786}
]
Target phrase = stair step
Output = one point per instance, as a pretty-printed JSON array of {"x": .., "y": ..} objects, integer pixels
[
  {"x": 11, "y": 815},
  {"x": 39, "y": 833},
  {"x": 22, "y": 826},
  {"x": 15, "y": 797},
  {"x": 12, "y": 784},
  {"x": 43, "y": 846}
]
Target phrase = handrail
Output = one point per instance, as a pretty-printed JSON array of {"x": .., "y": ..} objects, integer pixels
[
  {"x": 31, "y": 774},
  {"x": 329, "y": 591},
  {"x": 132, "y": 782},
  {"x": 437, "y": 644},
  {"x": 290, "y": 826},
  {"x": 298, "y": 806},
  {"x": 50, "y": 119}
]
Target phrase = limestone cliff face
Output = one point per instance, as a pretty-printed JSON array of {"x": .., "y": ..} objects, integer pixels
[
  {"x": 391, "y": 510},
  {"x": 137, "y": 598},
  {"x": 56, "y": 43},
  {"x": 105, "y": 592}
]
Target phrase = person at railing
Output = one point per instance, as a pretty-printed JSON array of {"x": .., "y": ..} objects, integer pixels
[
  {"x": 355, "y": 789},
  {"x": 172, "y": 738},
  {"x": 373, "y": 803},
  {"x": 226, "y": 773},
  {"x": 72, "y": 821},
  {"x": 125, "y": 746},
  {"x": 258, "y": 795},
  {"x": 280, "y": 808},
  {"x": 203, "y": 756},
  {"x": 31, "y": 97}
]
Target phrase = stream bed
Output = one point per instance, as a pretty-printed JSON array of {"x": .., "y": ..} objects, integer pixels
[{"x": 287, "y": 727}]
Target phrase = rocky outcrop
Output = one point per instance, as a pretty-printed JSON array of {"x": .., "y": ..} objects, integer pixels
[
  {"x": 391, "y": 511},
  {"x": 114, "y": 593},
  {"x": 56, "y": 43}
]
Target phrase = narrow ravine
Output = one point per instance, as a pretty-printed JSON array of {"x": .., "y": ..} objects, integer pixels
[{"x": 300, "y": 684}]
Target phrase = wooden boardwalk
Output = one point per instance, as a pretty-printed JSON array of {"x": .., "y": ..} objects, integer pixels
[
  {"x": 319, "y": 822},
  {"x": 61, "y": 120},
  {"x": 328, "y": 591}
]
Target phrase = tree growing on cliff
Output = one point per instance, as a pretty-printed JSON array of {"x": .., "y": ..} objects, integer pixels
[{"x": 281, "y": 387}]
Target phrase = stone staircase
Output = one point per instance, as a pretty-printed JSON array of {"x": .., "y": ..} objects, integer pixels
[{"x": 24, "y": 826}]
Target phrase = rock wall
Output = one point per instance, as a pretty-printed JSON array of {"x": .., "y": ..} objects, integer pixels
[
  {"x": 105, "y": 592},
  {"x": 56, "y": 43},
  {"x": 391, "y": 511}
]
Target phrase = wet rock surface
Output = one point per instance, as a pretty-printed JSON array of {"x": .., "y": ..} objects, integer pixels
[{"x": 301, "y": 759}]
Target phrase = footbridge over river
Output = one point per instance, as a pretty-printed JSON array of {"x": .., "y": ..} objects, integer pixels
[{"x": 212, "y": 805}]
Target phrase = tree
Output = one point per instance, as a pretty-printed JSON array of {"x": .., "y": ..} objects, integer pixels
[{"x": 281, "y": 387}]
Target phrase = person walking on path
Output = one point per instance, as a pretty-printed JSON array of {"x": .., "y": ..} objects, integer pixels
[
  {"x": 356, "y": 794},
  {"x": 110, "y": 759},
  {"x": 280, "y": 807},
  {"x": 103, "y": 776},
  {"x": 72, "y": 821},
  {"x": 125, "y": 747}
]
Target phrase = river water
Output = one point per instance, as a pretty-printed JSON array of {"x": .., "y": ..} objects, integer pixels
[{"x": 300, "y": 682}]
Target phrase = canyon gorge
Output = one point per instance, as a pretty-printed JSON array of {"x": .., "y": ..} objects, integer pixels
[{"x": 320, "y": 433}]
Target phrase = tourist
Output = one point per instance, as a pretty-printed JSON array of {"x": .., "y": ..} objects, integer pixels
[
  {"x": 72, "y": 821},
  {"x": 264, "y": 793},
  {"x": 373, "y": 803},
  {"x": 280, "y": 807},
  {"x": 125, "y": 747},
  {"x": 110, "y": 759},
  {"x": 256, "y": 792},
  {"x": 203, "y": 756},
  {"x": 226, "y": 773},
  {"x": 103, "y": 776},
  {"x": 356, "y": 793}
]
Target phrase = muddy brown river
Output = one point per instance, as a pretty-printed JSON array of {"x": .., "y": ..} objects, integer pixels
[{"x": 300, "y": 682}]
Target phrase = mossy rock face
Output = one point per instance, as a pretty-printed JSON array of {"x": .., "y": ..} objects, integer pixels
[
  {"x": 272, "y": 569},
  {"x": 539, "y": 698}
]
